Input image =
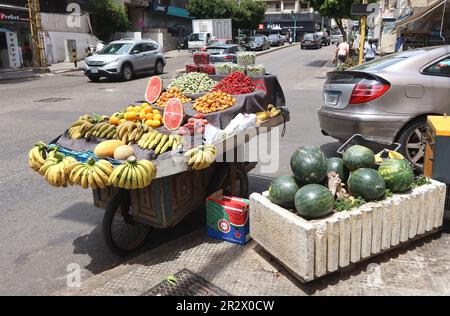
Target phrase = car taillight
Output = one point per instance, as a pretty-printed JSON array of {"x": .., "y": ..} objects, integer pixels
[
  {"x": 368, "y": 90},
  {"x": 228, "y": 58}
]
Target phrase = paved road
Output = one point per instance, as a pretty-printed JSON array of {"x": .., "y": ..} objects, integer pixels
[{"x": 44, "y": 229}]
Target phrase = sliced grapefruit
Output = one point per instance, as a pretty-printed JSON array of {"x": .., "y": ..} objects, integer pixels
[
  {"x": 173, "y": 114},
  {"x": 154, "y": 89}
]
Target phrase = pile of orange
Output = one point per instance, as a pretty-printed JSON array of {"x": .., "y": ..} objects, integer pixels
[
  {"x": 169, "y": 94},
  {"x": 144, "y": 113},
  {"x": 213, "y": 102}
]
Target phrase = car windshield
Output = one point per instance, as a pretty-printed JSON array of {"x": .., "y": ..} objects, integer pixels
[
  {"x": 384, "y": 62},
  {"x": 197, "y": 37},
  {"x": 273, "y": 36},
  {"x": 308, "y": 37},
  {"x": 257, "y": 39},
  {"x": 116, "y": 49},
  {"x": 216, "y": 50}
]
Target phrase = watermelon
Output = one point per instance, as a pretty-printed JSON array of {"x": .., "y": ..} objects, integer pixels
[
  {"x": 173, "y": 114},
  {"x": 236, "y": 218},
  {"x": 154, "y": 89},
  {"x": 337, "y": 165},
  {"x": 309, "y": 165},
  {"x": 398, "y": 175},
  {"x": 282, "y": 191},
  {"x": 357, "y": 157},
  {"x": 366, "y": 183},
  {"x": 314, "y": 201}
]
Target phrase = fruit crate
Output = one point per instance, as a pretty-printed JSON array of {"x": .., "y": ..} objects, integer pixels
[
  {"x": 313, "y": 249},
  {"x": 376, "y": 147}
]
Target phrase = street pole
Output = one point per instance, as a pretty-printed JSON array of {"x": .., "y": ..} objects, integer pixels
[{"x": 362, "y": 37}]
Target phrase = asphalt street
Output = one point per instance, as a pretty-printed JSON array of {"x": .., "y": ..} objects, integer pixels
[{"x": 44, "y": 229}]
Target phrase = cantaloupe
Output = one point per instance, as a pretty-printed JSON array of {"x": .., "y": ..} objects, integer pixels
[
  {"x": 106, "y": 149},
  {"x": 123, "y": 152}
]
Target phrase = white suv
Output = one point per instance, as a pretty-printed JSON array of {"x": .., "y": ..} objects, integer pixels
[{"x": 124, "y": 58}]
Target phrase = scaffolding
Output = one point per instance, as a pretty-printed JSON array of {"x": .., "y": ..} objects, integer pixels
[{"x": 39, "y": 58}]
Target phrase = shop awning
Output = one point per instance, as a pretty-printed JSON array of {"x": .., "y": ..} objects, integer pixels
[
  {"x": 12, "y": 7},
  {"x": 418, "y": 14}
]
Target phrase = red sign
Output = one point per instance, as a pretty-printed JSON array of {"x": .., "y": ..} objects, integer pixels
[{"x": 261, "y": 27}]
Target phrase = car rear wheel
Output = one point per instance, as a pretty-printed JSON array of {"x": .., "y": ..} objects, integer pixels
[
  {"x": 159, "y": 67},
  {"x": 412, "y": 140},
  {"x": 127, "y": 72}
]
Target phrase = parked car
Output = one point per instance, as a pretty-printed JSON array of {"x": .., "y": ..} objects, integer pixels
[
  {"x": 217, "y": 42},
  {"x": 336, "y": 36},
  {"x": 259, "y": 42},
  {"x": 325, "y": 38},
  {"x": 388, "y": 99},
  {"x": 124, "y": 58},
  {"x": 276, "y": 40},
  {"x": 311, "y": 40},
  {"x": 225, "y": 53}
]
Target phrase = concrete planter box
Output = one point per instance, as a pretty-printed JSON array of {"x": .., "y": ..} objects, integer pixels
[{"x": 312, "y": 249}]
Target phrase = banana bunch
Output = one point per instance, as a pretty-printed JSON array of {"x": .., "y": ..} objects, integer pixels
[
  {"x": 102, "y": 130},
  {"x": 130, "y": 132},
  {"x": 390, "y": 153},
  {"x": 91, "y": 174},
  {"x": 395, "y": 155},
  {"x": 201, "y": 157},
  {"x": 54, "y": 168},
  {"x": 37, "y": 156},
  {"x": 133, "y": 174},
  {"x": 83, "y": 125},
  {"x": 273, "y": 111},
  {"x": 160, "y": 142}
]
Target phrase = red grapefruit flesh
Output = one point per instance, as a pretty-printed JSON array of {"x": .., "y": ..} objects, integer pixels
[
  {"x": 173, "y": 114},
  {"x": 154, "y": 89}
]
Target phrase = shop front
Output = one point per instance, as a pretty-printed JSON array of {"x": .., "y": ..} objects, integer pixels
[{"x": 14, "y": 35}]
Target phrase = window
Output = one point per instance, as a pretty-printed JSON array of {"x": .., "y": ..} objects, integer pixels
[
  {"x": 289, "y": 5},
  {"x": 150, "y": 47},
  {"x": 115, "y": 49},
  {"x": 441, "y": 68}
]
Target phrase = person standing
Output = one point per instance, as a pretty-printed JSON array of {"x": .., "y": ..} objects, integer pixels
[
  {"x": 370, "y": 51},
  {"x": 27, "y": 55},
  {"x": 342, "y": 53}
]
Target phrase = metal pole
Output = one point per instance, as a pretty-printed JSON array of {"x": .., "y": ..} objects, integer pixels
[{"x": 362, "y": 37}]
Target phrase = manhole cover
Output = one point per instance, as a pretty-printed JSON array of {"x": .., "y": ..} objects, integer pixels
[
  {"x": 185, "y": 283},
  {"x": 317, "y": 63},
  {"x": 53, "y": 100}
]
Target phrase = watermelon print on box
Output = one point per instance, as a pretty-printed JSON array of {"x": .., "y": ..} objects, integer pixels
[{"x": 227, "y": 219}]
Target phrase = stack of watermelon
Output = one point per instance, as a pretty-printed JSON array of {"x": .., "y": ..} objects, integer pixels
[{"x": 305, "y": 191}]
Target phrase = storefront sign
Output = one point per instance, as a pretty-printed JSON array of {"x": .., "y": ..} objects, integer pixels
[
  {"x": 13, "y": 50},
  {"x": 13, "y": 17}
]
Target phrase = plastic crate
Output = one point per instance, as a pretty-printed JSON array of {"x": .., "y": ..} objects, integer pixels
[{"x": 376, "y": 147}]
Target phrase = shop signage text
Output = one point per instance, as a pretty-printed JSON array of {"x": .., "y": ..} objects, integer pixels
[{"x": 11, "y": 17}]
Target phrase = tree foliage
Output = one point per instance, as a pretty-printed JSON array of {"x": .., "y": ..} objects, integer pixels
[
  {"x": 108, "y": 17},
  {"x": 246, "y": 14}
]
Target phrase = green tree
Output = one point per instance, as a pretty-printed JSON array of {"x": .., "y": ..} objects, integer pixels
[
  {"x": 336, "y": 9},
  {"x": 108, "y": 17}
]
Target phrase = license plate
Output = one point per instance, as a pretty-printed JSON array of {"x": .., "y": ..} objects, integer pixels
[
  {"x": 94, "y": 71},
  {"x": 331, "y": 98}
]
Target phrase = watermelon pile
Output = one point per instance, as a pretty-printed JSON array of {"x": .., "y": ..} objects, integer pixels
[{"x": 305, "y": 191}]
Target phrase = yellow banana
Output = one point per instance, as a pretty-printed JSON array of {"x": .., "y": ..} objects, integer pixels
[
  {"x": 129, "y": 180},
  {"x": 134, "y": 178},
  {"x": 100, "y": 177},
  {"x": 144, "y": 176},
  {"x": 395, "y": 155},
  {"x": 91, "y": 180},
  {"x": 199, "y": 160},
  {"x": 84, "y": 179},
  {"x": 76, "y": 174}
]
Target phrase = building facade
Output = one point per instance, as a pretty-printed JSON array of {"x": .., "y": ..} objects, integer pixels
[{"x": 292, "y": 18}]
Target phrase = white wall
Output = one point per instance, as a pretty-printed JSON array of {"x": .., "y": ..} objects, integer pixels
[{"x": 58, "y": 41}]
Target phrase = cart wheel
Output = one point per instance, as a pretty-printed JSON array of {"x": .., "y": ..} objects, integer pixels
[
  {"x": 240, "y": 181},
  {"x": 122, "y": 234}
]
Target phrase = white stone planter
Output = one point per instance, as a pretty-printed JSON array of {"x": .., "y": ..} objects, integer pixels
[{"x": 312, "y": 249}]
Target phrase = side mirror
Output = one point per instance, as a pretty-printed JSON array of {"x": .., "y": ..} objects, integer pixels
[{"x": 136, "y": 51}]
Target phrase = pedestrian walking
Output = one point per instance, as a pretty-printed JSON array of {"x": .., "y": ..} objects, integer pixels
[
  {"x": 342, "y": 52},
  {"x": 370, "y": 51},
  {"x": 27, "y": 55}
]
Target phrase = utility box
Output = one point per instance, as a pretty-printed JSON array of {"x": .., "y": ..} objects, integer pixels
[{"x": 437, "y": 153}]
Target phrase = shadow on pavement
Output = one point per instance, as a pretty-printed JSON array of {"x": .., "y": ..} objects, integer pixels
[{"x": 330, "y": 149}]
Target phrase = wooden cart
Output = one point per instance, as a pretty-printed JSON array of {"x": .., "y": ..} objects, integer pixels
[{"x": 176, "y": 192}]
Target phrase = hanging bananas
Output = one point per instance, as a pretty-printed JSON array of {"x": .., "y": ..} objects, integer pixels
[
  {"x": 54, "y": 167},
  {"x": 201, "y": 157},
  {"x": 92, "y": 174},
  {"x": 133, "y": 174},
  {"x": 161, "y": 143},
  {"x": 130, "y": 132},
  {"x": 37, "y": 156},
  {"x": 102, "y": 130}
]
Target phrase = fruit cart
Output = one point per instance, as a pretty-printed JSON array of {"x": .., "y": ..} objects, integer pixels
[{"x": 175, "y": 192}]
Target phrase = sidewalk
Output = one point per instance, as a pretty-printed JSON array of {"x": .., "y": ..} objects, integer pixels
[{"x": 421, "y": 268}]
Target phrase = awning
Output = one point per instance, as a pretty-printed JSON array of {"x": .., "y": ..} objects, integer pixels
[{"x": 418, "y": 14}]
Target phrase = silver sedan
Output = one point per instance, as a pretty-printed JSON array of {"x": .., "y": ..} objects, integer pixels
[{"x": 388, "y": 99}]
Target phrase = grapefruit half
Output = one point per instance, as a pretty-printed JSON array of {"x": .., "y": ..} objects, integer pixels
[
  {"x": 173, "y": 114},
  {"x": 154, "y": 89}
]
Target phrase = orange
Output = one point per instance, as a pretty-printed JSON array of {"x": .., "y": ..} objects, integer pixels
[
  {"x": 130, "y": 108},
  {"x": 149, "y": 116},
  {"x": 156, "y": 112},
  {"x": 122, "y": 121},
  {"x": 148, "y": 109},
  {"x": 157, "y": 117},
  {"x": 145, "y": 104},
  {"x": 142, "y": 115},
  {"x": 131, "y": 116},
  {"x": 114, "y": 120},
  {"x": 153, "y": 123}
]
